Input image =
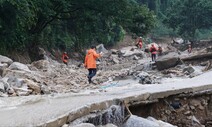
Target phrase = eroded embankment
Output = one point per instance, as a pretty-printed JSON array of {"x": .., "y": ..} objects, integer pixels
[{"x": 183, "y": 110}]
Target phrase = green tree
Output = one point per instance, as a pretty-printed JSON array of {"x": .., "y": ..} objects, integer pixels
[
  {"x": 187, "y": 16},
  {"x": 69, "y": 23}
]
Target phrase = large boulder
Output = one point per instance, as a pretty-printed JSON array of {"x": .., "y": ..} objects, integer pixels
[
  {"x": 160, "y": 123},
  {"x": 41, "y": 64},
  {"x": 19, "y": 66},
  {"x": 101, "y": 48},
  {"x": 178, "y": 40},
  {"x": 32, "y": 85},
  {"x": 135, "y": 121},
  {"x": 130, "y": 51},
  {"x": 150, "y": 45},
  {"x": 168, "y": 61},
  {"x": 4, "y": 59}
]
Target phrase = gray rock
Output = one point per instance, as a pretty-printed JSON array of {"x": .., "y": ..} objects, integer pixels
[
  {"x": 2, "y": 88},
  {"x": 195, "y": 103},
  {"x": 42, "y": 53},
  {"x": 83, "y": 125},
  {"x": 32, "y": 85},
  {"x": 135, "y": 57},
  {"x": 15, "y": 82},
  {"x": 139, "y": 67},
  {"x": 65, "y": 125},
  {"x": 178, "y": 40},
  {"x": 209, "y": 49},
  {"x": 160, "y": 123},
  {"x": 18, "y": 66},
  {"x": 146, "y": 80},
  {"x": 3, "y": 94},
  {"x": 108, "y": 125},
  {"x": 115, "y": 60},
  {"x": 130, "y": 51},
  {"x": 167, "y": 61},
  {"x": 45, "y": 89},
  {"x": 189, "y": 70},
  {"x": 135, "y": 121},
  {"x": 204, "y": 63},
  {"x": 4, "y": 59},
  {"x": 41, "y": 64},
  {"x": 143, "y": 74},
  {"x": 192, "y": 107},
  {"x": 187, "y": 113},
  {"x": 101, "y": 48},
  {"x": 24, "y": 91},
  {"x": 10, "y": 91},
  {"x": 114, "y": 51}
]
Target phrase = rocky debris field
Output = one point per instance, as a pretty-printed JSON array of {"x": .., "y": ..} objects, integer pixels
[{"x": 49, "y": 76}]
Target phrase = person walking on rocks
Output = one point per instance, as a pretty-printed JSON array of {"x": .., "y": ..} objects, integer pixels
[
  {"x": 160, "y": 50},
  {"x": 65, "y": 58},
  {"x": 139, "y": 43},
  {"x": 189, "y": 48},
  {"x": 90, "y": 62},
  {"x": 153, "y": 51}
]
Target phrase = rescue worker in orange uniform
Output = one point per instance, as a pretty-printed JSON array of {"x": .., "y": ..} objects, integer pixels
[
  {"x": 153, "y": 51},
  {"x": 140, "y": 43},
  {"x": 65, "y": 58},
  {"x": 189, "y": 48},
  {"x": 90, "y": 62}
]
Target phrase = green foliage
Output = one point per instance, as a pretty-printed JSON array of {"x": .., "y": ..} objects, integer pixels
[
  {"x": 203, "y": 34},
  {"x": 142, "y": 21},
  {"x": 162, "y": 30},
  {"x": 160, "y": 9},
  {"x": 69, "y": 24},
  {"x": 189, "y": 15}
]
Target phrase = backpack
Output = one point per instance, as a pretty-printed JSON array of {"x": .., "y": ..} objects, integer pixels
[{"x": 153, "y": 49}]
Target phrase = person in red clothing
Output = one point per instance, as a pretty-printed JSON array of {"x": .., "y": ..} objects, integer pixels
[
  {"x": 90, "y": 62},
  {"x": 153, "y": 51},
  {"x": 140, "y": 42},
  {"x": 65, "y": 58}
]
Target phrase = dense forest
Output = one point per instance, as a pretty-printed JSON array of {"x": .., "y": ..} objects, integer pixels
[{"x": 76, "y": 24}]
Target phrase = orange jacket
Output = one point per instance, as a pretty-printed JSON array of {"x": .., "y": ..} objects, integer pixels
[
  {"x": 90, "y": 59},
  {"x": 65, "y": 58}
]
